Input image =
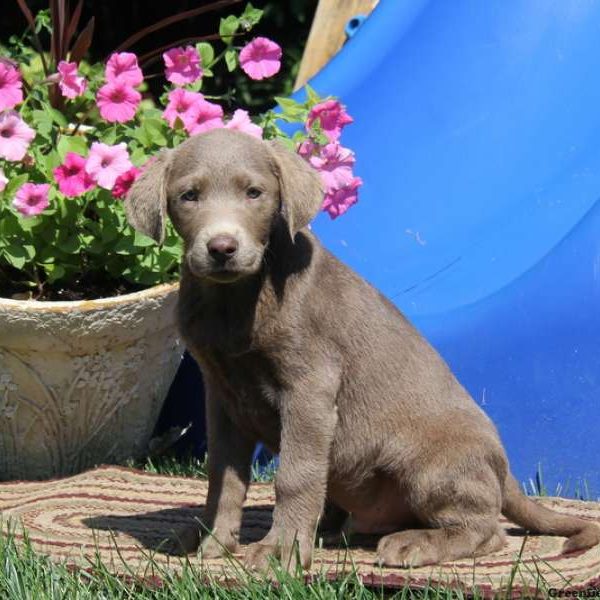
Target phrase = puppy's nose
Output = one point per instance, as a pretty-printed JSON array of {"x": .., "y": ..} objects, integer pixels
[{"x": 222, "y": 247}]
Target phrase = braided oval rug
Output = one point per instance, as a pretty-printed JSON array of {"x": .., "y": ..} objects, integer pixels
[{"x": 123, "y": 515}]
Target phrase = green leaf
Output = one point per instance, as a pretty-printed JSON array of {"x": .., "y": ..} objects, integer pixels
[
  {"x": 291, "y": 109},
  {"x": 228, "y": 27},
  {"x": 14, "y": 183},
  {"x": 71, "y": 143},
  {"x": 54, "y": 272},
  {"x": 231, "y": 59},
  {"x": 207, "y": 54},
  {"x": 43, "y": 123},
  {"x": 313, "y": 97},
  {"x": 16, "y": 255},
  {"x": 142, "y": 241},
  {"x": 250, "y": 17},
  {"x": 57, "y": 116}
]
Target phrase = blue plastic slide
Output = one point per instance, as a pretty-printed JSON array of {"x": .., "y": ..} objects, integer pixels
[{"x": 477, "y": 134}]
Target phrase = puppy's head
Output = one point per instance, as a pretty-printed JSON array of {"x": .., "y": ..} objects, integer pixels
[{"x": 223, "y": 191}]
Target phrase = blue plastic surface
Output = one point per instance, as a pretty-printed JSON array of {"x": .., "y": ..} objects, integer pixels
[{"x": 477, "y": 136}]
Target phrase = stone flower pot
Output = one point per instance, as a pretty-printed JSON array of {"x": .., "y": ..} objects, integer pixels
[{"x": 83, "y": 382}]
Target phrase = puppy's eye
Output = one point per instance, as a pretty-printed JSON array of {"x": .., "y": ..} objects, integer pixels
[
  {"x": 189, "y": 196},
  {"x": 253, "y": 192}
]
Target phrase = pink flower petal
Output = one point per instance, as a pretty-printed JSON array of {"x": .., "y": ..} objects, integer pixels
[
  {"x": 123, "y": 67},
  {"x": 31, "y": 198},
  {"x": 71, "y": 85},
  {"x": 240, "y": 121},
  {"x": 334, "y": 163},
  {"x": 118, "y": 102},
  {"x": 336, "y": 203},
  {"x": 260, "y": 58},
  {"x": 71, "y": 176},
  {"x": 15, "y": 136},
  {"x": 206, "y": 116},
  {"x": 11, "y": 93},
  {"x": 184, "y": 105},
  {"x": 182, "y": 65},
  {"x": 332, "y": 117},
  {"x": 124, "y": 182},
  {"x": 105, "y": 163},
  {"x": 3, "y": 180}
]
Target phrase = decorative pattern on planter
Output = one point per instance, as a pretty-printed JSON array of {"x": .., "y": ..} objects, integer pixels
[{"x": 83, "y": 383}]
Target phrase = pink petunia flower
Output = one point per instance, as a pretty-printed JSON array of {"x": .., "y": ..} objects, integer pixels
[
  {"x": 339, "y": 201},
  {"x": 182, "y": 104},
  {"x": 240, "y": 121},
  {"x": 182, "y": 65},
  {"x": 334, "y": 163},
  {"x": 123, "y": 67},
  {"x": 71, "y": 176},
  {"x": 332, "y": 116},
  {"x": 118, "y": 102},
  {"x": 105, "y": 163},
  {"x": 206, "y": 116},
  {"x": 124, "y": 182},
  {"x": 307, "y": 149},
  {"x": 260, "y": 58},
  {"x": 32, "y": 198},
  {"x": 3, "y": 180},
  {"x": 71, "y": 85},
  {"x": 11, "y": 93},
  {"x": 15, "y": 136}
]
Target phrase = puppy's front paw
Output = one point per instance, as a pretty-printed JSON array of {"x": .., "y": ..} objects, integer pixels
[
  {"x": 216, "y": 547},
  {"x": 291, "y": 551},
  {"x": 182, "y": 541},
  {"x": 410, "y": 548}
]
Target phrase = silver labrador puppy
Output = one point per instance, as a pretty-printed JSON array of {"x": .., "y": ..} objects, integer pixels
[{"x": 302, "y": 354}]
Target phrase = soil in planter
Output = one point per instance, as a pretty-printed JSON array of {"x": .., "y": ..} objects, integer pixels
[{"x": 89, "y": 286}]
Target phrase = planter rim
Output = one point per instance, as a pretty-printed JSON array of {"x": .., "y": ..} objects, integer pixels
[{"x": 161, "y": 289}]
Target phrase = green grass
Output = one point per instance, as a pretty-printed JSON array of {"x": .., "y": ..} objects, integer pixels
[{"x": 28, "y": 575}]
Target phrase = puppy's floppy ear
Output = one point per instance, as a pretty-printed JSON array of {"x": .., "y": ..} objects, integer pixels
[
  {"x": 300, "y": 187},
  {"x": 146, "y": 202}
]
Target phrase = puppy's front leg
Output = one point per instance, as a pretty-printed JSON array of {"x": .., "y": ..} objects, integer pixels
[
  {"x": 229, "y": 462},
  {"x": 308, "y": 420}
]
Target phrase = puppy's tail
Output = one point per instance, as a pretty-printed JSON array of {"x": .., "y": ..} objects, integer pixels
[{"x": 536, "y": 518}]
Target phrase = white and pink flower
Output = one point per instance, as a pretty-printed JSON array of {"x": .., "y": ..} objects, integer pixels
[
  {"x": 31, "y": 199},
  {"x": 260, "y": 58},
  {"x": 15, "y": 136},
  {"x": 3, "y": 180},
  {"x": 106, "y": 163}
]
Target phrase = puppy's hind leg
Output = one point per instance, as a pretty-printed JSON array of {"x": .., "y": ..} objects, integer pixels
[{"x": 459, "y": 511}]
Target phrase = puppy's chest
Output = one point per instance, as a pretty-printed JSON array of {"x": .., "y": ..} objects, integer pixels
[{"x": 254, "y": 397}]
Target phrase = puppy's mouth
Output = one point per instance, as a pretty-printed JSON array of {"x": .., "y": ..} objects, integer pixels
[{"x": 224, "y": 276}]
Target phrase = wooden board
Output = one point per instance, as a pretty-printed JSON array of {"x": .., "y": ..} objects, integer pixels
[{"x": 327, "y": 34}]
